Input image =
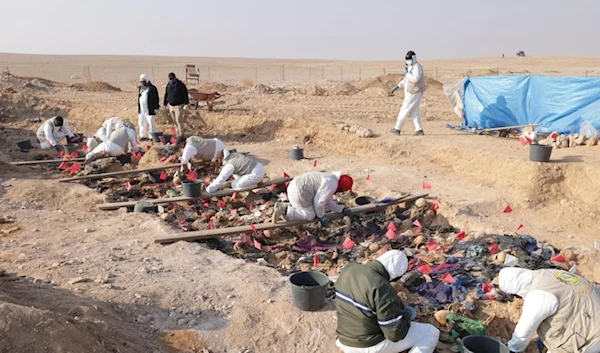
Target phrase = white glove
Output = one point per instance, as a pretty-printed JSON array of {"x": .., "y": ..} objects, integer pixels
[{"x": 186, "y": 107}]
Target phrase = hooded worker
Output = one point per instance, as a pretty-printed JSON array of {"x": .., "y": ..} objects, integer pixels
[
  {"x": 105, "y": 131},
  {"x": 115, "y": 145},
  {"x": 371, "y": 317},
  {"x": 52, "y": 131},
  {"x": 246, "y": 171},
  {"x": 310, "y": 193},
  {"x": 198, "y": 147},
  {"x": 414, "y": 86},
  {"x": 147, "y": 107},
  {"x": 562, "y": 307}
]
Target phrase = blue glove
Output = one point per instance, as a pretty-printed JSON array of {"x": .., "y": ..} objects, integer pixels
[
  {"x": 405, "y": 71},
  {"x": 57, "y": 148},
  {"x": 324, "y": 220},
  {"x": 410, "y": 312},
  {"x": 347, "y": 212}
]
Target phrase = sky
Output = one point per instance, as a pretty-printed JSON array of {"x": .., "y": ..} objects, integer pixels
[{"x": 308, "y": 29}]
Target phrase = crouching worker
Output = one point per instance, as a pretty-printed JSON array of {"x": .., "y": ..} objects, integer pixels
[
  {"x": 116, "y": 145},
  {"x": 198, "y": 147},
  {"x": 371, "y": 316},
  {"x": 106, "y": 130},
  {"x": 52, "y": 131},
  {"x": 246, "y": 171},
  {"x": 562, "y": 307},
  {"x": 309, "y": 194}
]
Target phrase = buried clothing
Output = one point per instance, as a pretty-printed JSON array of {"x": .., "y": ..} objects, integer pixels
[
  {"x": 310, "y": 193},
  {"x": 246, "y": 171},
  {"x": 49, "y": 134}
]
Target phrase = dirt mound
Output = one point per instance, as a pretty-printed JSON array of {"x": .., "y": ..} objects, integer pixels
[
  {"x": 344, "y": 89},
  {"x": 264, "y": 89},
  {"x": 388, "y": 81},
  {"x": 152, "y": 158},
  {"x": 213, "y": 87},
  {"x": 31, "y": 84},
  {"x": 96, "y": 86},
  {"x": 314, "y": 90}
]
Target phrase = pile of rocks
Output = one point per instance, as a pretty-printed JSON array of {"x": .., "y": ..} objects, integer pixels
[{"x": 360, "y": 131}]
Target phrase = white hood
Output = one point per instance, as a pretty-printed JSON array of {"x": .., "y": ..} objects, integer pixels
[
  {"x": 144, "y": 77},
  {"x": 395, "y": 263},
  {"x": 337, "y": 175},
  {"x": 515, "y": 280}
]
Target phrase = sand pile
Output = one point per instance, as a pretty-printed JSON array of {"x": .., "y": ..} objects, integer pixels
[
  {"x": 314, "y": 90},
  {"x": 213, "y": 87},
  {"x": 264, "y": 89},
  {"x": 386, "y": 82},
  {"x": 344, "y": 89},
  {"x": 152, "y": 158},
  {"x": 31, "y": 84},
  {"x": 96, "y": 86}
]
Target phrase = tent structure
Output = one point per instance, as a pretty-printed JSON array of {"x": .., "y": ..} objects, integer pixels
[{"x": 560, "y": 104}]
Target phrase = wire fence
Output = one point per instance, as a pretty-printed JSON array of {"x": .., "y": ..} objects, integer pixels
[{"x": 126, "y": 76}]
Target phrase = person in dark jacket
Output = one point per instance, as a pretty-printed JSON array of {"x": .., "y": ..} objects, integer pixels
[
  {"x": 177, "y": 99},
  {"x": 147, "y": 107},
  {"x": 371, "y": 317}
]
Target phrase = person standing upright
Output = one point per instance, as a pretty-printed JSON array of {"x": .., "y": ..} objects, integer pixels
[
  {"x": 147, "y": 107},
  {"x": 414, "y": 86},
  {"x": 176, "y": 98}
]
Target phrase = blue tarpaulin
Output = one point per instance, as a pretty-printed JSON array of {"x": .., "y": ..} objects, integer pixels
[{"x": 560, "y": 104}]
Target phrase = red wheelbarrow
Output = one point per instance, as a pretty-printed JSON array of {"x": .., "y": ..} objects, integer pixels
[{"x": 208, "y": 97}]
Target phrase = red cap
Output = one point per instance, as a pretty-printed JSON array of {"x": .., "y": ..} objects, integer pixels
[{"x": 345, "y": 183}]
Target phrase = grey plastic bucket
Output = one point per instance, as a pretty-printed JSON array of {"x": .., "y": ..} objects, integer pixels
[
  {"x": 25, "y": 145},
  {"x": 483, "y": 344},
  {"x": 71, "y": 147},
  {"x": 308, "y": 290},
  {"x": 192, "y": 188},
  {"x": 297, "y": 153},
  {"x": 144, "y": 207},
  {"x": 540, "y": 153},
  {"x": 156, "y": 136}
]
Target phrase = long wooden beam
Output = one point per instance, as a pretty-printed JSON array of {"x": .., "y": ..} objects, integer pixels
[
  {"x": 220, "y": 232},
  {"x": 220, "y": 193},
  {"x": 45, "y": 161},
  {"x": 119, "y": 173}
]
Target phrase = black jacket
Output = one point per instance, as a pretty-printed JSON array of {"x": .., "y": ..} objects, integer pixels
[
  {"x": 177, "y": 94},
  {"x": 153, "y": 100}
]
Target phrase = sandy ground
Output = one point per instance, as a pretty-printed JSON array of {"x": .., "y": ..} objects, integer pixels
[{"x": 97, "y": 281}]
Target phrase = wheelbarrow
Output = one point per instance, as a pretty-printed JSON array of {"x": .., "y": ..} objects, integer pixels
[{"x": 208, "y": 97}]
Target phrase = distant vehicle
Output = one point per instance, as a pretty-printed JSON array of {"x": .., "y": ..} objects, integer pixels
[{"x": 520, "y": 53}]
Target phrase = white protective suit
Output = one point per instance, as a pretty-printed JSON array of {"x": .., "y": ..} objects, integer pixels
[
  {"x": 538, "y": 305},
  {"x": 241, "y": 182},
  {"x": 410, "y": 105},
  {"x": 114, "y": 123},
  {"x": 53, "y": 134},
  {"x": 98, "y": 138},
  {"x": 145, "y": 117},
  {"x": 323, "y": 199},
  {"x": 189, "y": 151},
  {"x": 114, "y": 148},
  {"x": 421, "y": 338}
]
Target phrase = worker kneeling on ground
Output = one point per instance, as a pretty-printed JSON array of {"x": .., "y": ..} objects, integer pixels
[
  {"x": 104, "y": 132},
  {"x": 309, "y": 194},
  {"x": 371, "y": 317},
  {"x": 246, "y": 171},
  {"x": 198, "y": 147},
  {"x": 562, "y": 307},
  {"x": 115, "y": 146},
  {"x": 52, "y": 131}
]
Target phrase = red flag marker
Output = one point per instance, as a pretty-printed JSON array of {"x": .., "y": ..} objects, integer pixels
[
  {"x": 432, "y": 246},
  {"x": 285, "y": 175},
  {"x": 520, "y": 227},
  {"x": 392, "y": 226},
  {"x": 205, "y": 204},
  {"x": 369, "y": 178},
  {"x": 233, "y": 212},
  {"x": 128, "y": 186},
  {"x": 250, "y": 207},
  {"x": 434, "y": 207},
  {"x": 253, "y": 227},
  {"x": 76, "y": 167},
  {"x": 507, "y": 209},
  {"x": 315, "y": 259},
  {"x": 192, "y": 176},
  {"x": 221, "y": 204},
  {"x": 173, "y": 140},
  {"x": 559, "y": 258},
  {"x": 348, "y": 243},
  {"x": 68, "y": 157},
  {"x": 164, "y": 159},
  {"x": 163, "y": 176},
  {"x": 233, "y": 197},
  {"x": 448, "y": 278},
  {"x": 85, "y": 148},
  {"x": 487, "y": 287},
  {"x": 493, "y": 248},
  {"x": 391, "y": 234},
  {"x": 418, "y": 224},
  {"x": 211, "y": 224},
  {"x": 63, "y": 166},
  {"x": 173, "y": 132},
  {"x": 383, "y": 251},
  {"x": 425, "y": 269},
  {"x": 148, "y": 148},
  {"x": 75, "y": 154},
  {"x": 426, "y": 185},
  {"x": 438, "y": 200},
  {"x": 461, "y": 235},
  {"x": 272, "y": 187},
  {"x": 315, "y": 164},
  {"x": 267, "y": 203},
  {"x": 62, "y": 153},
  {"x": 257, "y": 245}
]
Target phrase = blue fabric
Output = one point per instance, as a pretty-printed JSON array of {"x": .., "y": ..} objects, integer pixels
[{"x": 559, "y": 103}]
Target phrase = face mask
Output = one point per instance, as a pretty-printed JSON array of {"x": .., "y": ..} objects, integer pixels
[{"x": 409, "y": 62}]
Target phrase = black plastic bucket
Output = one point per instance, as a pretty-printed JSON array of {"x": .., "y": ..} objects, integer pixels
[
  {"x": 297, "y": 153},
  {"x": 71, "y": 147},
  {"x": 192, "y": 188},
  {"x": 308, "y": 290},
  {"x": 124, "y": 158},
  {"x": 540, "y": 153},
  {"x": 165, "y": 138},
  {"x": 483, "y": 344},
  {"x": 25, "y": 145},
  {"x": 80, "y": 140},
  {"x": 364, "y": 200},
  {"x": 156, "y": 136}
]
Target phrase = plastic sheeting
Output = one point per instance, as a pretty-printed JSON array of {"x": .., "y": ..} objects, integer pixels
[{"x": 560, "y": 104}]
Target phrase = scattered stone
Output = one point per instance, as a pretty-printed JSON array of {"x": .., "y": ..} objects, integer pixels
[
  {"x": 144, "y": 319},
  {"x": 231, "y": 296},
  {"x": 593, "y": 141},
  {"x": 78, "y": 280},
  {"x": 102, "y": 279},
  {"x": 9, "y": 230},
  {"x": 2, "y": 271},
  {"x": 182, "y": 322},
  {"x": 167, "y": 217},
  {"x": 89, "y": 230}
]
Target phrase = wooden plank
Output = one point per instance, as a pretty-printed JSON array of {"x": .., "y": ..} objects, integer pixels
[
  {"x": 119, "y": 173},
  {"x": 508, "y": 127},
  {"x": 45, "y": 161},
  {"x": 215, "y": 233},
  {"x": 220, "y": 193}
]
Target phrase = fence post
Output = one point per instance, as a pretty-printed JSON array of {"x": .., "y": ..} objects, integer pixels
[
  {"x": 436, "y": 74},
  {"x": 498, "y": 71},
  {"x": 359, "y": 73},
  {"x": 384, "y": 70},
  {"x": 342, "y": 74},
  {"x": 283, "y": 73},
  {"x": 209, "y": 73},
  {"x": 309, "y": 72},
  {"x": 153, "y": 73},
  {"x": 255, "y": 75},
  {"x": 323, "y": 73}
]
